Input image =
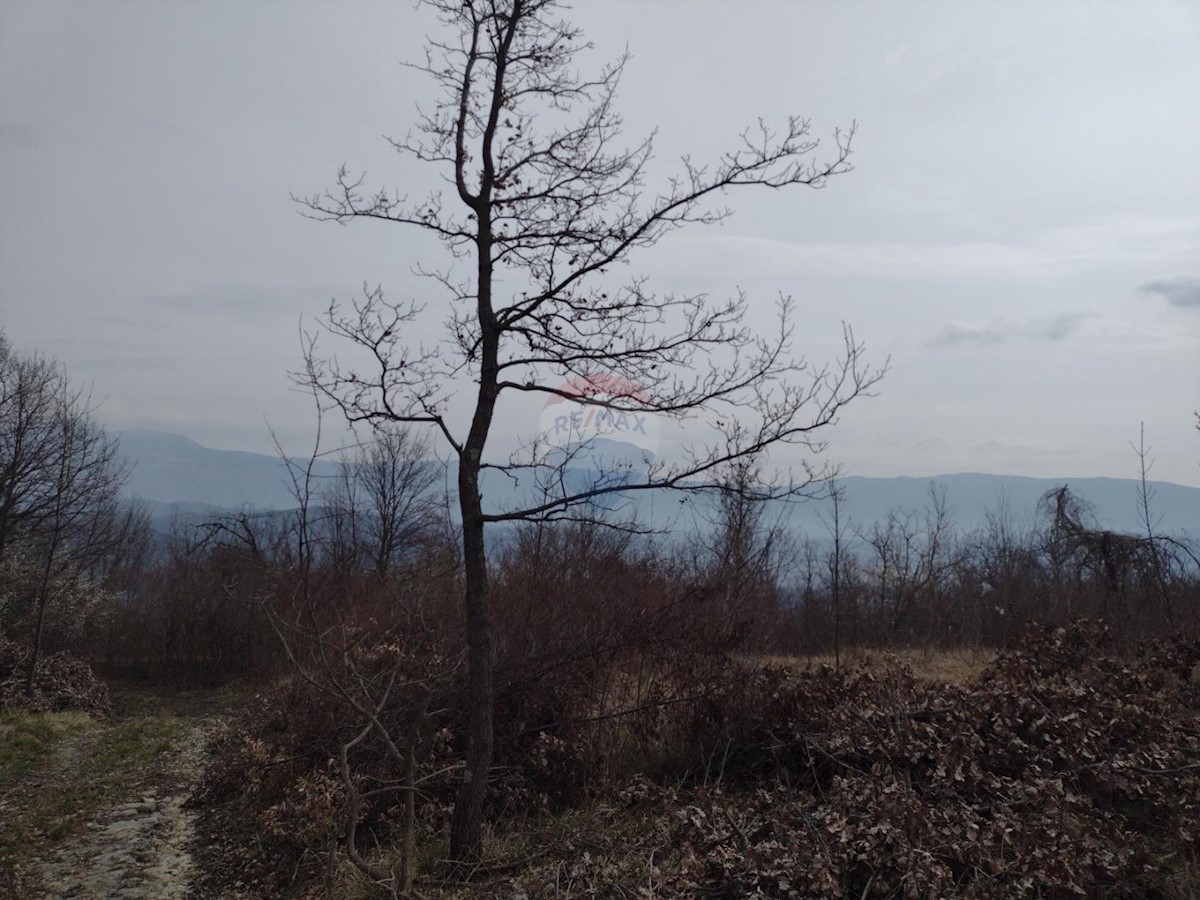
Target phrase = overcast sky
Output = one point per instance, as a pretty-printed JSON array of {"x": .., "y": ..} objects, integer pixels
[{"x": 1021, "y": 234}]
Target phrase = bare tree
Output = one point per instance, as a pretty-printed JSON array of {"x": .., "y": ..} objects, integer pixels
[
  {"x": 85, "y": 525},
  {"x": 840, "y": 531},
  {"x": 31, "y": 388},
  {"x": 743, "y": 550},
  {"x": 555, "y": 205},
  {"x": 342, "y": 523},
  {"x": 912, "y": 555},
  {"x": 355, "y": 633},
  {"x": 60, "y": 479},
  {"x": 1112, "y": 560},
  {"x": 1149, "y": 522},
  {"x": 1006, "y": 563},
  {"x": 396, "y": 479}
]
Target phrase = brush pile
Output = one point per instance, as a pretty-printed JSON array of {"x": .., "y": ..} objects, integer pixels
[{"x": 64, "y": 682}]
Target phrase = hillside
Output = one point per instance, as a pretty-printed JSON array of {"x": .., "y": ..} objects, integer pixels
[{"x": 170, "y": 469}]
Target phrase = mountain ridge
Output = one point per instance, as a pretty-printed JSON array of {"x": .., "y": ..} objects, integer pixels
[{"x": 174, "y": 471}]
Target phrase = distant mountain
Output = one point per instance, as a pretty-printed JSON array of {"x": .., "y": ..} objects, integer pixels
[
  {"x": 170, "y": 468},
  {"x": 970, "y": 496},
  {"x": 179, "y": 475}
]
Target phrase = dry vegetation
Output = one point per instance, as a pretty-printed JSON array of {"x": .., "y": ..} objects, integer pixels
[
  {"x": 1065, "y": 768},
  {"x": 573, "y": 707},
  {"x": 671, "y": 720},
  {"x": 954, "y": 666}
]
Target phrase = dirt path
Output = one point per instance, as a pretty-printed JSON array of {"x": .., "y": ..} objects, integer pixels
[
  {"x": 98, "y": 807},
  {"x": 140, "y": 846}
]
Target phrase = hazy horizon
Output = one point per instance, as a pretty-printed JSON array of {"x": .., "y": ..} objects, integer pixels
[{"x": 300, "y": 449}]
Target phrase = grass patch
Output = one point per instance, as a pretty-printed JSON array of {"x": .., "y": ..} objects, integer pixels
[
  {"x": 960, "y": 666},
  {"x": 132, "y": 746},
  {"x": 123, "y": 756},
  {"x": 28, "y": 739},
  {"x": 136, "y": 699}
]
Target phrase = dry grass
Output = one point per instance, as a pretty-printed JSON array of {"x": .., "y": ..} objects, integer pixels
[{"x": 960, "y": 666}]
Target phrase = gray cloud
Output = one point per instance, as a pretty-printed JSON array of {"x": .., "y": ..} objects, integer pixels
[
  {"x": 963, "y": 333},
  {"x": 240, "y": 300},
  {"x": 1001, "y": 445},
  {"x": 110, "y": 365},
  {"x": 1181, "y": 291},
  {"x": 131, "y": 323},
  {"x": 20, "y": 136},
  {"x": 1001, "y": 331}
]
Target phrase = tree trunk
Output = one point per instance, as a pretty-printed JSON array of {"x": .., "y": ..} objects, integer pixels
[
  {"x": 466, "y": 828},
  {"x": 466, "y": 825},
  {"x": 35, "y": 650}
]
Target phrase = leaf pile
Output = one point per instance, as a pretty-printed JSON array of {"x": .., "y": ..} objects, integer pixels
[{"x": 64, "y": 682}]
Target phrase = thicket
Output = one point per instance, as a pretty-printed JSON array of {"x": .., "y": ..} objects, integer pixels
[
  {"x": 1068, "y": 768},
  {"x": 195, "y": 606},
  {"x": 913, "y": 579}
]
